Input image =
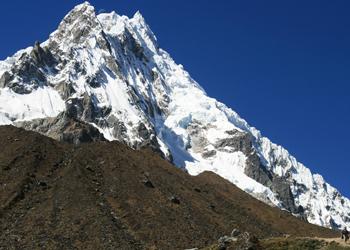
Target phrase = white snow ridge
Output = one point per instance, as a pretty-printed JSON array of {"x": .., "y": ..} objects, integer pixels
[{"x": 108, "y": 71}]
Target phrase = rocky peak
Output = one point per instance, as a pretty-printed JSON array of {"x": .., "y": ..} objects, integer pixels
[
  {"x": 85, "y": 9},
  {"x": 138, "y": 18},
  {"x": 143, "y": 32},
  {"x": 82, "y": 14},
  {"x": 76, "y": 28}
]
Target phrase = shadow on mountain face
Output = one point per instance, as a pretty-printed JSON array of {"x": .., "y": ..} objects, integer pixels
[{"x": 104, "y": 195}]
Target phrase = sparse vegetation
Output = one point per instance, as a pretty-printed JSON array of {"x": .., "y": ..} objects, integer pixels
[{"x": 300, "y": 244}]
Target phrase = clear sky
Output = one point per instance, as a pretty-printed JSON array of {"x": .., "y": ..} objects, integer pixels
[{"x": 284, "y": 66}]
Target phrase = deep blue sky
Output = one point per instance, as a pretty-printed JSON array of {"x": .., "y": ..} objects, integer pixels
[{"x": 284, "y": 66}]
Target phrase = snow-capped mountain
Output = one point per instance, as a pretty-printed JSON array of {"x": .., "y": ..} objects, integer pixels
[{"x": 104, "y": 77}]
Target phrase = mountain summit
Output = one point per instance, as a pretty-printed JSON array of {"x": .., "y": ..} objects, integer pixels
[{"x": 104, "y": 77}]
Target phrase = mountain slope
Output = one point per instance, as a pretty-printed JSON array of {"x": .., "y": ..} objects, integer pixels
[
  {"x": 104, "y": 76},
  {"x": 104, "y": 195}
]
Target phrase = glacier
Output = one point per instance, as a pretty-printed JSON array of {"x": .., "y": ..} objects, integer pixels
[{"x": 107, "y": 71}]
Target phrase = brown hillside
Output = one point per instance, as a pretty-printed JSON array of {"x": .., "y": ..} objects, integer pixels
[{"x": 104, "y": 195}]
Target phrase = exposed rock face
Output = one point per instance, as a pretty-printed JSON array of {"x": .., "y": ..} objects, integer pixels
[
  {"x": 241, "y": 141},
  {"x": 5, "y": 78},
  {"x": 30, "y": 72},
  {"x": 42, "y": 57},
  {"x": 236, "y": 141},
  {"x": 64, "y": 128},
  {"x": 104, "y": 77}
]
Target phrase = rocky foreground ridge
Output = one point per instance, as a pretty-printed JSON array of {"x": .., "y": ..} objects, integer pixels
[{"x": 104, "y": 195}]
